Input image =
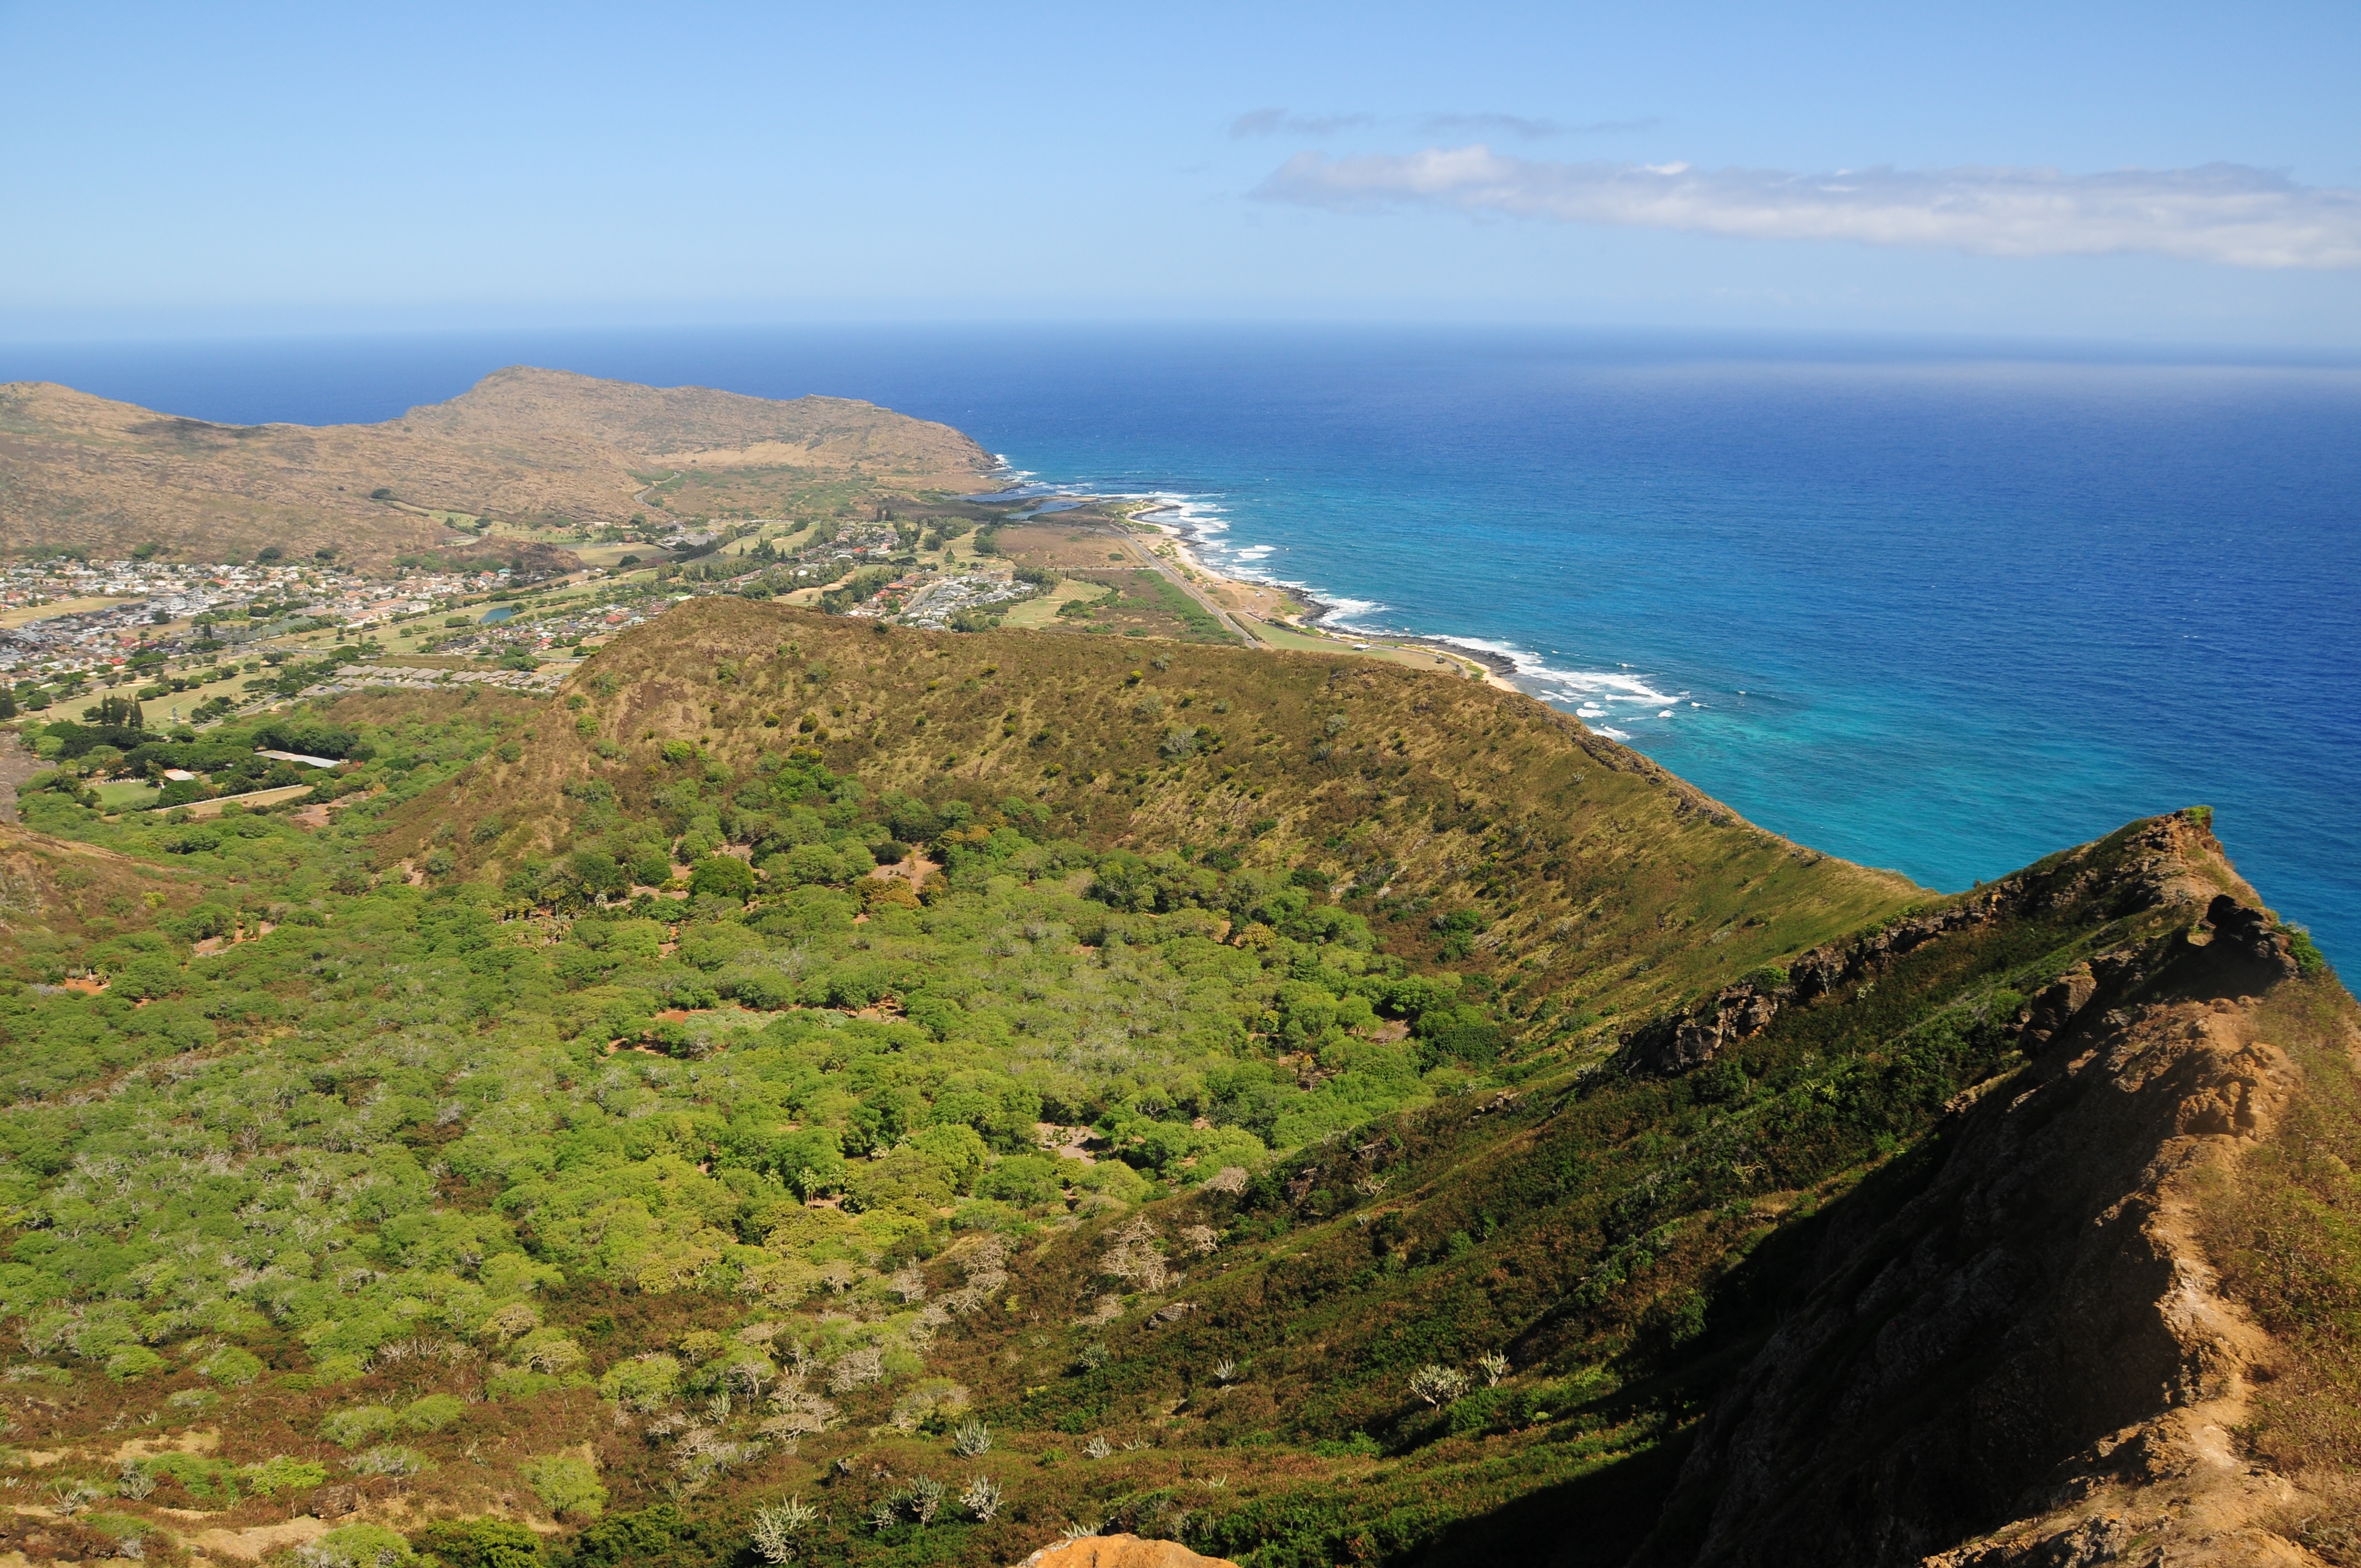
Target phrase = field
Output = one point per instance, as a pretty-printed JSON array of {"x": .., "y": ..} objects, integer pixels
[{"x": 19, "y": 615}]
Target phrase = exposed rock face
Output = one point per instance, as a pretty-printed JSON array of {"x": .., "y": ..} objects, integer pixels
[
  {"x": 1690, "y": 1039},
  {"x": 2022, "y": 1348},
  {"x": 2056, "y": 1007},
  {"x": 335, "y": 1500}
]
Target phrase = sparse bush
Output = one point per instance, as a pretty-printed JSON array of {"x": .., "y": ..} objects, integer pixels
[
  {"x": 1437, "y": 1386},
  {"x": 391, "y": 1459},
  {"x": 351, "y": 1428},
  {"x": 776, "y": 1527}
]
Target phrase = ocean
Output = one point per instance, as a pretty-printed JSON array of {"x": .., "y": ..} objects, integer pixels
[{"x": 1923, "y": 606}]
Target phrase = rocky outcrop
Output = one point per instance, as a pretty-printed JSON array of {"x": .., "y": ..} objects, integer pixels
[
  {"x": 1689, "y": 1039},
  {"x": 2147, "y": 866},
  {"x": 2025, "y": 1360},
  {"x": 1121, "y": 1551}
]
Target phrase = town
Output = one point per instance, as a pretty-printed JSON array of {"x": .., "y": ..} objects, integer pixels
[{"x": 193, "y": 643}]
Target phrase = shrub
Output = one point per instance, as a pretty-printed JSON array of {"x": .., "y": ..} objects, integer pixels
[
  {"x": 647, "y": 1534},
  {"x": 549, "y": 1351},
  {"x": 1457, "y": 1034},
  {"x": 774, "y": 1528},
  {"x": 433, "y": 1412},
  {"x": 208, "y": 1480},
  {"x": 809, "y": 863},
  {"x": 643, "y": 1382},
  {"x": 356, "y": 1546},
  {"x": 349, "y": 1429},
  {"x": 281, "y": 1474},
  {"x": 232, "y": 1366},
  {"x": 1028, "y": 1181},
  {"x": 566, "y": 1486},
  {"x": 892, "y": 891},
  {"x": 2309, "y": 959},
  {"x": 133, "y": 1361},
  {"x": 1437, "y": 1386},
  {"x": 481, "y": 1544},
  {"x": 391, "y": 1459}
]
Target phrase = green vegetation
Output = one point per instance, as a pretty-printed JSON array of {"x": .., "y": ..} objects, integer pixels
[{"x": 937, "y": 1089}]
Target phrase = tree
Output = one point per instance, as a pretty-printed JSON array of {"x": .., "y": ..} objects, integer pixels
[
  {"x": 117, "y": 710},
  {"x": 724, "y": 876}
]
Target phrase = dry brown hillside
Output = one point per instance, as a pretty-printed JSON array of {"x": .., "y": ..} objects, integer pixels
[{"x": 80, "y": 472}]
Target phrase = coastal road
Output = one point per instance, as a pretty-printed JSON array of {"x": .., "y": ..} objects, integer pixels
[{"x": 1173, "y": 575}]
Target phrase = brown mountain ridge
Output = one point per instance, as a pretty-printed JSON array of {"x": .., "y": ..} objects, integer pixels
[{"x": 81, "y": 473}]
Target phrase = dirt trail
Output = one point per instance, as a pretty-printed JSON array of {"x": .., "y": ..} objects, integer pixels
[{"x": 16, "y": 765}]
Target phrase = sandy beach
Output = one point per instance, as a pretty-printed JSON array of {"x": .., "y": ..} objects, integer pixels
[{"x": 1288, "y": 618}]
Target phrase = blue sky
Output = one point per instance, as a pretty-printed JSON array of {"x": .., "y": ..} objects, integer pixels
[{"x": 2152, "y": 172}]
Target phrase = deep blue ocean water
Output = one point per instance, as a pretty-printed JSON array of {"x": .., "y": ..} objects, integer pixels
[{"x": 1927, "y": 609}]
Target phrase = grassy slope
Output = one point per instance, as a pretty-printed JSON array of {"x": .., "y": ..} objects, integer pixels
[{"x": 1607, "y": 887}]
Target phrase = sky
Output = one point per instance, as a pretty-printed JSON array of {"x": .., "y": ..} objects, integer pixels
[{"x": 2156, "y": 173}]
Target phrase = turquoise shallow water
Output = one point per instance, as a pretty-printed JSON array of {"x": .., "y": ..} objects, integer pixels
[{"x": 1927, "y": 610}]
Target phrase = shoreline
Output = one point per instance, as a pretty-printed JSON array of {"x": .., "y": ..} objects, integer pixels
[{"x": 1493, "y": 669}]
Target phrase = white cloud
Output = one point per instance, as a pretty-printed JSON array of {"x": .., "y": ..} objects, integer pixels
[
  {"x": 1525, "y": 126},
  {"x": 1279, "y": 122},
  {"x": 2222, "y": 213}
]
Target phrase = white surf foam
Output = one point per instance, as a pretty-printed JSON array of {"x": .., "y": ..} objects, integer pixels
[
  {"x": 1342, "y": 613},
  {"x": 1600, "y": 689}
]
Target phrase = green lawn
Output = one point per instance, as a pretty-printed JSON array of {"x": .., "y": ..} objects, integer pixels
[{"x": 126, "y": 794}]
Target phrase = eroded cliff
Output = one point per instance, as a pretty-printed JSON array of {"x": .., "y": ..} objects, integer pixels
[{"x": 2018, "y": 1350}]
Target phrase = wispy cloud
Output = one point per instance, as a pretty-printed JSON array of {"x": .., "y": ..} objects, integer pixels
[
  {"x": 2223, "y": 212},
  {"x": 1279, "y": 122},
  {"x": 1527, "y": 127},
  {"x": 1523, "y": 127}
]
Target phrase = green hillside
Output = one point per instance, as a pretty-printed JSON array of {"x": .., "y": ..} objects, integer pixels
[{"x": 985, "y": 1086}]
